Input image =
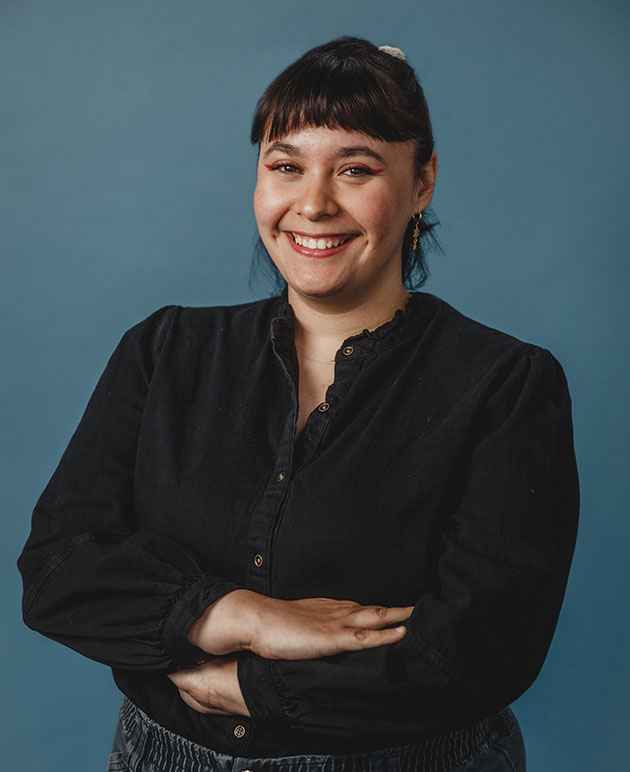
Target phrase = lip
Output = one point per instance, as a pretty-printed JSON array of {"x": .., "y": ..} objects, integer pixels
[
  {"x": 318, "y": 253},
  {"x": 322, "y": 235}
]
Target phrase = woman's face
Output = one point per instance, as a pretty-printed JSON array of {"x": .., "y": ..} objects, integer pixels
[{"x": 329, "y": 183}]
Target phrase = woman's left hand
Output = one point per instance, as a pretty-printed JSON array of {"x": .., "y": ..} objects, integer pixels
[{"x": 212, "y": 687}]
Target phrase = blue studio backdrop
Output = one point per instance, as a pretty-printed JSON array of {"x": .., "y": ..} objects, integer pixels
[{"x": 126, "y": 184}]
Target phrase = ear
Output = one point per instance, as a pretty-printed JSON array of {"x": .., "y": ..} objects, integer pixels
[{"x": 426, "y": 183}]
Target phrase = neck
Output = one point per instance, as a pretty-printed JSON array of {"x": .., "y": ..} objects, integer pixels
[{"x": 323, "y": 324}]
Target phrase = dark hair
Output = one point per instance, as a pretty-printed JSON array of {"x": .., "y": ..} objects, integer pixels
[{"x": 350, "y": 83}]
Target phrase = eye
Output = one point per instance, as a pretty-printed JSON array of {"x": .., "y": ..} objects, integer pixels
[
  {"x": 281, "y": 167},
  {"x": 361, "y": 169}
]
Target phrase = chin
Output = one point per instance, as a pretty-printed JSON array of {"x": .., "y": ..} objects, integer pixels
[{"x": 317, "y": 289}]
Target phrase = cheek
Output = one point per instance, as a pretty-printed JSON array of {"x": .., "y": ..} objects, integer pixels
[
  {"x": 379, "y": 215},
  {"x": 269, "y": 204}
]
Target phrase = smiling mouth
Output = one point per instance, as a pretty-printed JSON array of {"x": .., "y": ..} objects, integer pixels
[
  {"x": 319, "y": 248},
  {"x": 320, "y": 243}
]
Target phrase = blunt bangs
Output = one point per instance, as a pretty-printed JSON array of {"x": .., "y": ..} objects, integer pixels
[{"x": 344, "y": 97}]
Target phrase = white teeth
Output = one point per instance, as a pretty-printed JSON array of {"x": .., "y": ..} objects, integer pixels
[{"x": 318, "y": 243}]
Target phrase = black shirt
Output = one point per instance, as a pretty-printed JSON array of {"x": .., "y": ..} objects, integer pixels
[{"x": 439, "y": 472}]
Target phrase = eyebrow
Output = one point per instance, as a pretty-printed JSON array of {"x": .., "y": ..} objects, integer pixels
[{"x": 343, "y": 152}]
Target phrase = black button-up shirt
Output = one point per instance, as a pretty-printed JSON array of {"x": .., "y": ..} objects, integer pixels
[{"x": 439, "y": 472}]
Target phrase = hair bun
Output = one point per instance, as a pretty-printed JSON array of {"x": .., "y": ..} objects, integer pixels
[{"x": 393, "y": 51}]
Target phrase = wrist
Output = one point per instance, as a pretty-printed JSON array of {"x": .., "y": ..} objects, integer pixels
[
  {"x": 244, "y": 612},
  {"x": 227, "y": 625}
]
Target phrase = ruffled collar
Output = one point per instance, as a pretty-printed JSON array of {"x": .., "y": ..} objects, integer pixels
[{"x": 399, "y": 325}]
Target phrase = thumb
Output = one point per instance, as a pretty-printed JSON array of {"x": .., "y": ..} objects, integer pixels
[{"x": 181, "y": 678}]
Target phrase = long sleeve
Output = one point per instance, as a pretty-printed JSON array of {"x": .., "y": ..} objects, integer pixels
[
  {"x": 479, "y": 635},
  {"x": 93, "y": 579}
]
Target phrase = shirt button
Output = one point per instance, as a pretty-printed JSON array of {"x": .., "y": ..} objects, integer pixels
[
  {"x": 280, "y": 476},
  {"x": 323, "y": 407},
  {"x": 258, "y": 561},
  {"x": 239, "y": 730},
  {"x": 347, "y": 350}
]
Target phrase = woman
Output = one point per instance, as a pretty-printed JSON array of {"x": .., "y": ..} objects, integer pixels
[{"x": 333, "y": 526}]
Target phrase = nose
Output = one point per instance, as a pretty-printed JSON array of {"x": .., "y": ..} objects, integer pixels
[{"x": 316, "y": 200}]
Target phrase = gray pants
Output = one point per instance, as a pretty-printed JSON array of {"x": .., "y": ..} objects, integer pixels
[{"x": 142, "y": 745}]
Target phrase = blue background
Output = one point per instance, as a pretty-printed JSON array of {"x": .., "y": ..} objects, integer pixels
[{"x": 126, "y": 184}]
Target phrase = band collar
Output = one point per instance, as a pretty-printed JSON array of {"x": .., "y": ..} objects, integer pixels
[{"x": 406, "y": 322}]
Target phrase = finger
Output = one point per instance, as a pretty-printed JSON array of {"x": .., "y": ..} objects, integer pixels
[
  {"x": 182, "y": 678},
  {"x": 377, "y": 617},
  {"x": 366, "y": 638},
  {"x": 193, "y": 703}
]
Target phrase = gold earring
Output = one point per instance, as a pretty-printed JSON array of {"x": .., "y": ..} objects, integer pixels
[{"x": 416, "y": 232}]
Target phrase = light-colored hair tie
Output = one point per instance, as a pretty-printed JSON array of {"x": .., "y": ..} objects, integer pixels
[{"x": 397, "y": 52}]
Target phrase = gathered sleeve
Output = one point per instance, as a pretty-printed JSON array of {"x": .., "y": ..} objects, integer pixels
[
  {"x": 478, "y": 638},
  {"x": 93, "y": 581}
]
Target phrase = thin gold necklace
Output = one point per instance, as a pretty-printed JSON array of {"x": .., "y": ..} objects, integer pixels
[{"x": 348, "y": 334}]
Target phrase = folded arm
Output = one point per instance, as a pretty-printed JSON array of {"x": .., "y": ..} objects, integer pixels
[
  {"x": 478, "y": 637},
  {"x": 92, "y": 580}
]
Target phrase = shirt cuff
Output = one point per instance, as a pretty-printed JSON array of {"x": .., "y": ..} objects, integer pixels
[
  {"x": 187, "y": 606},
  {"x": 259, "y": 686}
]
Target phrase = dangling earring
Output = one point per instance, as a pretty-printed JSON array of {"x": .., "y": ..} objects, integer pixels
[{"x": 416, "y": 232}]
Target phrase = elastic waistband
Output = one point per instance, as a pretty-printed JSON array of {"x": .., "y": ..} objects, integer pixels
[{"x": 152, "y": 744}]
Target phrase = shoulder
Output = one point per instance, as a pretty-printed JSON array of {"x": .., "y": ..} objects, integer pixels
[
  {"x": 199, "y": 324},
  {"x": 472, "y": 350}
]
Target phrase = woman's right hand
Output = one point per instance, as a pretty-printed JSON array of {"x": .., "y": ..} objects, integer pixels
[{"x": 310, "y": 628}]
